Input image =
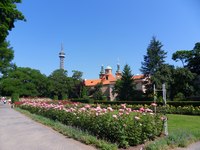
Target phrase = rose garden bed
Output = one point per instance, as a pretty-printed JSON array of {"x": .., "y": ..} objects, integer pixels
[{"x": 124, "y": 126}]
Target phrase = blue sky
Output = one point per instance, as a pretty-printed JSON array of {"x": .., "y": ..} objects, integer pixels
[{"x": 96, "y": 32}]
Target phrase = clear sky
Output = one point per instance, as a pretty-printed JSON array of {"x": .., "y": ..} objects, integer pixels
[{"x": 96, "y": 32}]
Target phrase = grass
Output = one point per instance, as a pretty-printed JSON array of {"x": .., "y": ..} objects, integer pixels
[
  {"x": 71, "y": 132},
  {"x": 184, "y": 122},
  {"x": 183, "y": 130}
]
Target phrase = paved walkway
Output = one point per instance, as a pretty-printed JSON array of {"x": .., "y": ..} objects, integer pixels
[
  {"x": 18, "y": 132},
  {"x": 194, "y": 146}
]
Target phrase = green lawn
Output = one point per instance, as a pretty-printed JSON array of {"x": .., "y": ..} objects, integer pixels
[
  {"x": 183, "y": 130},
  {"x": 184, "y": 123}
]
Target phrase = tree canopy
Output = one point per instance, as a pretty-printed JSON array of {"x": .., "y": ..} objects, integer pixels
[
  {"x": 194, "y": 60},
  {"x": 6, "y": 56},
  {"x": 125, "y": 87},
  {"x": 24, "y": 81},
  {"x": 182, "y": 55},
  {"x": 9, "y": 14},
  {"x": 154, "y": 58},
  {"x": 58, "y": 83}
]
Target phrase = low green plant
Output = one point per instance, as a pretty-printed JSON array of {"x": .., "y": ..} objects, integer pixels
[
  {"x": 64, "y": 97},
  {"x": 15, "y": 97},
  {"x": 55, "y": 97}
]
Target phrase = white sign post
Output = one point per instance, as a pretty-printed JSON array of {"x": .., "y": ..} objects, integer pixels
[{"x": 165, "y": 102}]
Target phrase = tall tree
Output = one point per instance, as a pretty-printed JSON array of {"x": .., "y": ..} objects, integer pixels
[
  {"x": 183, "y": 80},
  {"x": 24, "y": 81},
  {"x": 6, "y": 56},
  {"x": 97, "y": 92},
  {"x": 182, "y": 55},
  {"x": 154, "y": 58},
  {"x": 77, "y": 75},
  {"x": 125, "y": 87},
  {"x": 75, "y": 84},
  {"x": 9, "y": 14},
  {"x": 194, "y": 60},
  {"x": 153, "y": 65},
  {"x": 58, "y": 83}
]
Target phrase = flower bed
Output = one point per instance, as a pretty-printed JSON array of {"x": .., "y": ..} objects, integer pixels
[
  {"x": 168, "y": 109},
  {"x": 123, "y": 126}
]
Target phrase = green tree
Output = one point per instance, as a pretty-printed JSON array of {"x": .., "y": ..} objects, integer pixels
[
  {"x": 9, "y": 14},
  {"x": 197, "y": 85},
  {"x": 183, "y": 80},
  {"x": 84, "y": 92},
  {"x": 191, "y": 61},
  {"x": 58, "y": 83},
  {"x": 75, "y": 84},
  {"x": 6, "y": 56},
  {"x": 125, "y": 87},
  {"x": 194, "y": 60},
  {"x": 154, "y": 58},
  {"x": 182, "y": 55},
  {"x": 77, "y": 75},
  {"x": 24, "y": 81},
  {"x": 162, "y": 76},
  {"x": 153, "y": 65},
  {"x": 97, "y": 92}
]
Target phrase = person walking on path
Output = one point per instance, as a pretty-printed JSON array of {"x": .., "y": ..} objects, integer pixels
[{"x": 18, "y": 132}]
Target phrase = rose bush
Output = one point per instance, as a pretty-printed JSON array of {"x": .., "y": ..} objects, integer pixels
[
  {"x": 168, "y": 109},
  {"x": 123, "y": 126}
]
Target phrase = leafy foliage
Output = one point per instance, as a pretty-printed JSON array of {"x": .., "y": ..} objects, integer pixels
[
  {"x": 96, "y": 92},
  {"x": 6, "y": 56},
  {"x": 24, "y": 81},
  {"x": 154, "y": 58},
  {"x": 9, "y": 14},
  {"x": 194, "y": 60},
  {"x": 58, "y": 83},
  {"x": 125, "y": 87},
  {"x": 15, "y": 97},
  {"x": 183, "y": 81},
  {"x": 122, "y": 126},
  {"x": 182, "y": 55}
]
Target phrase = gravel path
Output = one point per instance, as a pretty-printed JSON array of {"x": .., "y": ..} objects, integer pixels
[{"x": 18, "y": 132}]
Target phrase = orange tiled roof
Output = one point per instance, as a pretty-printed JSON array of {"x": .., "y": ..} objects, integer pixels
[
  {"x": 108, "y": 79},
  {"x": 137, "y": 77},
  {"x": 92, "y": 82}
]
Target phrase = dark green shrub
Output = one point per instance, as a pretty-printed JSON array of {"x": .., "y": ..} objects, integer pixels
[
  {"x": 55, "y": 97},
  {"x": 104, "y": 98},
  {"x": 64, "y": 97},
  {"x": 15, "y": 97}
]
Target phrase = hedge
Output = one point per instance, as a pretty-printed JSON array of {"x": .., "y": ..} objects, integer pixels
[{"x": 172, "y": 103}]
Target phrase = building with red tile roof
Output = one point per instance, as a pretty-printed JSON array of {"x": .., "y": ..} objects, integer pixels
[{"x": 108, "y": 80}]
